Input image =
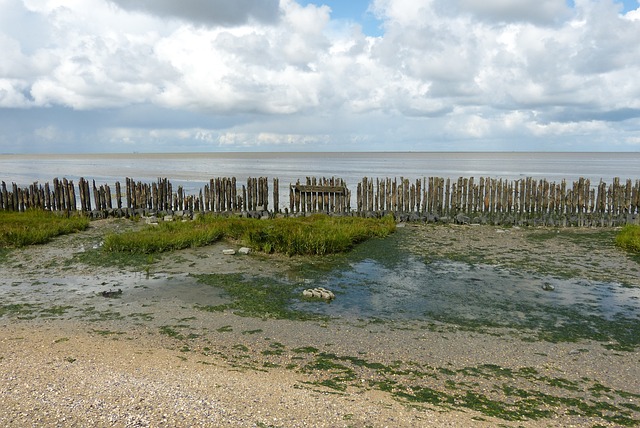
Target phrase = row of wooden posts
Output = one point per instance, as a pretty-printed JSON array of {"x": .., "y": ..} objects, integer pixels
[
  {"x": 434, "y": 195},
  {"x": 489, "y": 195},
  {"x": 219, "y": 195}
]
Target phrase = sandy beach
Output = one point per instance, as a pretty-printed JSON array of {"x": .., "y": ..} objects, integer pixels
[{"x": 153, "y": 357}]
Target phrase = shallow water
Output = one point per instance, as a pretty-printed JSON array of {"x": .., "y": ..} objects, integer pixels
[
  {"x": 378, "y": 280},
  {"x": 382, "y": 281},
  {"x": 81, "y": 292},
  {"x": 415, "y": 289}
]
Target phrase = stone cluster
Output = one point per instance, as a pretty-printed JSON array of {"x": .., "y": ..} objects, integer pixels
[{"x": 319, "y": 293}]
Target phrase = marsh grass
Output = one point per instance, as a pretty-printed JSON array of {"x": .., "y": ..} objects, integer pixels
[
  {"x": 313, "y": 235},
  {"x": 19, "y": 229},
  {"x": 167, "y": 236},
  {"x": 629, "y": 238}
]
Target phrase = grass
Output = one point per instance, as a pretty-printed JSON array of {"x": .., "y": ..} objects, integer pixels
[
  {"x": 167, "y": 236},
  {"x": 255, "y": 297},
  {"x": 314, "y": 235},
  {"x": 629, "y": 238},
  {"x": 19, "y": 229}
]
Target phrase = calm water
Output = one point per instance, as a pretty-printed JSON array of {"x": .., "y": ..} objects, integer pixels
[
  {"x": 381, "y": 280},
  {"x": 194, "y": 170},
  {"x": 197, "y": 168}
]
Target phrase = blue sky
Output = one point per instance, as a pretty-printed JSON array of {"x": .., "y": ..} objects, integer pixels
[
  {"x": 287, "y": 75},
  {"x": 355, "y": 11}
]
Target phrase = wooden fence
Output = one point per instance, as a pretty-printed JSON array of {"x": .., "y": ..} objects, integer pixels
[
  {"x": 489, "y": 195},
  {"x": 467, "y": 199}
]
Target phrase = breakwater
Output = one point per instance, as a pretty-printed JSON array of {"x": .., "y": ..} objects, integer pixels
[{"x": 469, "y": 200}]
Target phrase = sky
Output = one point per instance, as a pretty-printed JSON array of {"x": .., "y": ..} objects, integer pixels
[{"x": 122, "y": 76}]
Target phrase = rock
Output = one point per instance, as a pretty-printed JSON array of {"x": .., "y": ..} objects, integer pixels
[
  {"x": 319, "y": 293},
  {"x": 244, "y": 250},
  {"x": 228, "y": 252},
  {"x": 112, "y": 293},
  {"x": 548, "y": 287},
  {"x": 462, "y": 219},
  {"x": 326, "y": 295}
]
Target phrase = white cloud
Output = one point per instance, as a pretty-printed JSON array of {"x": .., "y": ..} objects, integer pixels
[
  {"x": 12, "y": 94},
  {"x": 277, "y": 73}
]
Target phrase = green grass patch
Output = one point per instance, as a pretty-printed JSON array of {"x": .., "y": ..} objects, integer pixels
[
  {"x": 18, "y": 309},
  {"x": 259, "y": 330},
  {"x": 107, "y": 332},
  {"x": 168, "y": 330},
  {"x": 313, "y": 235},
  {"x": 629, "y": 238},
  {"x": 19, "y": 229},
  {"x": 55, "y": 310},
  {"x": 166, "y": 236},
  {"x": 255, "y": 297},
  {"x": 100, "y": 258}
]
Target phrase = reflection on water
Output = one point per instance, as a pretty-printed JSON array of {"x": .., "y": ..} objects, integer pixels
[{"x": 410, "y": 288}]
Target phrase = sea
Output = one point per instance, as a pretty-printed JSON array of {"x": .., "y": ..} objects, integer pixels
[{"x": 193, "y": 170}]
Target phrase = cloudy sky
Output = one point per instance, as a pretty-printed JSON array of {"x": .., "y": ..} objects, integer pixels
[{"x": 292, "y": 75}]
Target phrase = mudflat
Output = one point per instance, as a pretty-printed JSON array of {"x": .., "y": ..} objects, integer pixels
[{"x": 199, "y": 338}]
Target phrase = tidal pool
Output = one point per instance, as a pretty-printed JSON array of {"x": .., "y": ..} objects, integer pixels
[
  {"x": 395, "y": 285},
  {"x": 415, "y": 289}
]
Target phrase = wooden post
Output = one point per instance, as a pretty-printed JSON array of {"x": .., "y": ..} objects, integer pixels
[
  {"x": 72, "y": 197},
  {"x": 119, "y": 196},
  {"x": 276, "y": 195}
]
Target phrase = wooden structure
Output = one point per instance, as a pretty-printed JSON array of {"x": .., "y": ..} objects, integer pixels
[
  {"x": 467, "y": 199},
  {"x": 489, "y": 195},
  {"x": 320, "y": 196}
]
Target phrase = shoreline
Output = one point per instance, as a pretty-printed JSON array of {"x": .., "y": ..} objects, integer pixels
[{"x": 100, "y": 359}]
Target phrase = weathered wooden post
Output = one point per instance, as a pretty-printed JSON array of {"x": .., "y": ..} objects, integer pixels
[
  {"x": 96, "y": 195},
  {"x": 118, "y": 195},
  {"x": 276, "y": 195},
  {"x": 108, "y": 196},
  {"x": 154, "y": 196},
  {"x": 72, "y": 197},
  {"x": 5, "y": 196},
  {"x": 103, "y": 197}
]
